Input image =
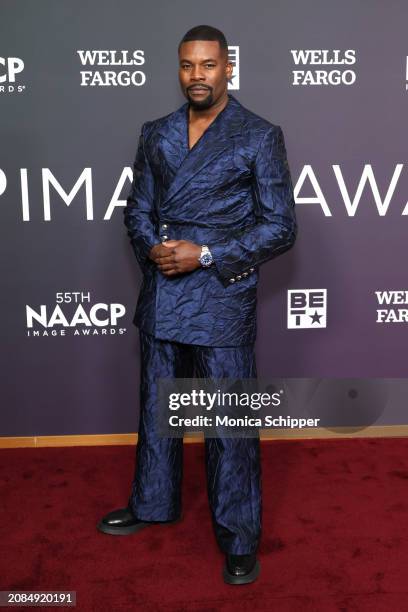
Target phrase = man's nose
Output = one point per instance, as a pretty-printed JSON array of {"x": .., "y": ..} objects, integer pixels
[{"x": 196, "y": 74}]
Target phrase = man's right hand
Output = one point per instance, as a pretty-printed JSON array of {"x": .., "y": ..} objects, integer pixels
[
  {"x": 176, "y": 256},
  {"x": 158, "y": 250}
]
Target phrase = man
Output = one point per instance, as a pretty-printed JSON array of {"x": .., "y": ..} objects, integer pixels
[{"x": 211, "y": 200}]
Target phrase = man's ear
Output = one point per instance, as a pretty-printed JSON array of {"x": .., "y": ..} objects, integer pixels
[{"x": 230, "y": 68}]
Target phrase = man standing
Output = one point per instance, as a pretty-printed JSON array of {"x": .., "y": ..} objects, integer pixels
[{"x": 211, "y": 200}]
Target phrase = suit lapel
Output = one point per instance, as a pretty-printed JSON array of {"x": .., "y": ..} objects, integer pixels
[
  {"x": 172, "y": 140},
  {"x": 186, "y": 163}
]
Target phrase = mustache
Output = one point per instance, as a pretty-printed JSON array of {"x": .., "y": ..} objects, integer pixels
[{"x": 199, "y": 86}]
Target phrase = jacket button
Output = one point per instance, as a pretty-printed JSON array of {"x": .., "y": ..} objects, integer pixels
[
  {"x": 164, "y": 238},
  {"x": 239, "y": 277},
  {"x": 232, "y": 280},
  {"x": 164, "y": 226},
  {"x": 251, "y": 269},
  {"x": 245, "y": 274}
]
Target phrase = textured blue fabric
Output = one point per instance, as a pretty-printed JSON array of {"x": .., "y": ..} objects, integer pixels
[
  {"x": 233, "y": 465},
  {"x": 232, "y": 191}
]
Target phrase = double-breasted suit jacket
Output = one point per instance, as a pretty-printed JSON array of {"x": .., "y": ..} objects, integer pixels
[{"x": 231, "y": 191}]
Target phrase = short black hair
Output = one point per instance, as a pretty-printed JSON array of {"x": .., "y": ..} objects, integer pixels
[{"x": 205, "y": 32}]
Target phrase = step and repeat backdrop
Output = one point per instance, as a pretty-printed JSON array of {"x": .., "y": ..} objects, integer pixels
[{"x": 77, "y": 81}]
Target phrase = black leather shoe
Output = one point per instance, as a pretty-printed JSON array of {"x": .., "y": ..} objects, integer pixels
[
  {"x": 123, "y": 522},
  {"x": 241, "y": 569}
]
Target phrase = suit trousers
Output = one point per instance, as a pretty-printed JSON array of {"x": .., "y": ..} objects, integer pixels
[{"x": 233, "y": 465}]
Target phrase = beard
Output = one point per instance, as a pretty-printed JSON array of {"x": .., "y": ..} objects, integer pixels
[{"x": 202, "y": 104}]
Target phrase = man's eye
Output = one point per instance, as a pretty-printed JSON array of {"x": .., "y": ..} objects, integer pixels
[{"x": 210, "y": 65}]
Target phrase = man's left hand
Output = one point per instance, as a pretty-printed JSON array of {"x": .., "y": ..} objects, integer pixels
[{"x": 182, "y": 257}]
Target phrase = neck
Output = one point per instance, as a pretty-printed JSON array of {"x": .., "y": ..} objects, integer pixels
[{"x": 207, "y": 114}]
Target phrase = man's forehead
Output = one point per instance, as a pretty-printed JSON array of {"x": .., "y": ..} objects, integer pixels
[{"x": 200, "y": 49}]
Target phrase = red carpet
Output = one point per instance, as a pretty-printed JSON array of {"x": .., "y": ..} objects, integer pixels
[{"x": 335, "y": 524}]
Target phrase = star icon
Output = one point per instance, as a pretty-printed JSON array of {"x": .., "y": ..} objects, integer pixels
[{"x": 315, "y": 317}]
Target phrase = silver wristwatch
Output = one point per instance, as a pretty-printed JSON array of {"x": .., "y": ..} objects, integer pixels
[{"x": 205, "y": 258}]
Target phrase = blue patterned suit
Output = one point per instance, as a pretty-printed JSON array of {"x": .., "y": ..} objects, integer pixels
[{"x": 233, "y": 192}]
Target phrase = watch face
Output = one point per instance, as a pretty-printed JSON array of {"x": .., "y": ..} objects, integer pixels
[{"x": 206, "y": 259}]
